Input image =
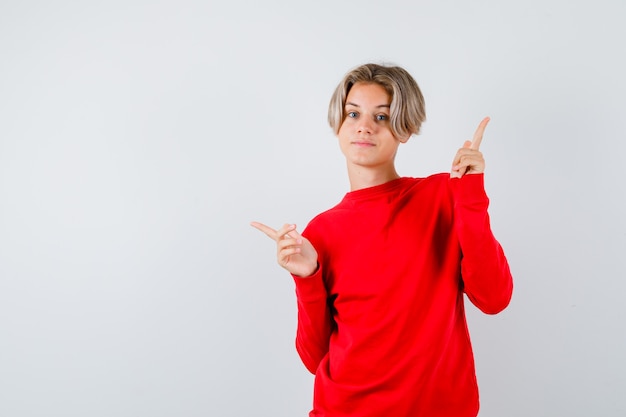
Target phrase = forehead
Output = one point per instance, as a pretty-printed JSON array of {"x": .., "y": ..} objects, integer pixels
[{"x": 368, "y": 93}]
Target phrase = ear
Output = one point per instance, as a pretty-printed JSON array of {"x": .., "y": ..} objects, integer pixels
[{"x": 404, "y": 139}]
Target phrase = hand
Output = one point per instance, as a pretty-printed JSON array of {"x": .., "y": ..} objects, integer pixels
[
  {"x": 468, "y": 159},
  {"x": 294, "y": 252}
]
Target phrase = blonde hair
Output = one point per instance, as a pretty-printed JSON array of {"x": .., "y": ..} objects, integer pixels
[{"x": 408, "y": 109}]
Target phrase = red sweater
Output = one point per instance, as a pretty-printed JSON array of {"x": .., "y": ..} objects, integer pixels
[{"x": 381, "y": 324}]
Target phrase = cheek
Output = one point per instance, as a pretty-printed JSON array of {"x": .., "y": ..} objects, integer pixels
[
  {"x": 344, "y": 126},
  {"x": 343, "y": 141},
  {"x": 342, "y": 134}
]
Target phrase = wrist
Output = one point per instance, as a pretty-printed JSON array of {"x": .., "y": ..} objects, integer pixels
[{"x": 313, "y": 271}]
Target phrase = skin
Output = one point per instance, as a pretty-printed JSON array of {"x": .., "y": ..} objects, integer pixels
[
  {"x": 366, "y": 139},
  {"x": 468, "y": 159},
  {"x": 369, "y": 147}
]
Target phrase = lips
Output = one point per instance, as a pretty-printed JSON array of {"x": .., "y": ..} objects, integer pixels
[{"x": 363, "y": 143}]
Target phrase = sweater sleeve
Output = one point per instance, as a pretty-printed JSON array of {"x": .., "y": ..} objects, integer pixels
[
  {"x": 314, "y": 319},
  {"x": 485, "y": 271}
]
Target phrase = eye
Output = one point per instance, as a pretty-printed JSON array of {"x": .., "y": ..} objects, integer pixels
[
  {"x": 352, "y": 114},
  {"x": 382, "y": 117}
]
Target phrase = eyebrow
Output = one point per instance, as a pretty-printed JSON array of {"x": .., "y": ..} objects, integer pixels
[{"x": 379, "y": 106}]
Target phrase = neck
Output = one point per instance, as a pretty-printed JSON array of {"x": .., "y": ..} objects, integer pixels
[{"x": 361, "y": 177}]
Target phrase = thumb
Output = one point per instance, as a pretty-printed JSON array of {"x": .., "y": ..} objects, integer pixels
[
  {"x": 467, "y": 144},
  {"x": 293, "y": 233},
  {"x": 296, "y": 235}
]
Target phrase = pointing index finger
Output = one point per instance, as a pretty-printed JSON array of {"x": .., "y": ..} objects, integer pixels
[
  {"x": 478, "y": 135},
  {"x": 271, "y": 233}
]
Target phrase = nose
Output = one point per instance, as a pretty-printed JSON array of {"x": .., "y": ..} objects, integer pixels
[{"x": 365, "y": 126}]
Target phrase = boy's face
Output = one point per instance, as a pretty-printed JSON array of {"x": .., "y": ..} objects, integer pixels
[{"x": 365, "y": 137}]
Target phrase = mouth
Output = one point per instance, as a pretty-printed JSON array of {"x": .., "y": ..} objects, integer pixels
[{"x": 362, "y": 143}]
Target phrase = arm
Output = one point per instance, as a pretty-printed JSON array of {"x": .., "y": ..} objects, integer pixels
[
  {"x": 484, "y": 268},
  {"x": 486, "y": 275},
  {"x": 297, "y": 255},
  {"x": 315, "y": 321}
]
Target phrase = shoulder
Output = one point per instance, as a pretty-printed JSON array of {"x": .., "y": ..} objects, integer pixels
[
  {"x": 323, "y": 219},
  {"x": 434, "y": 183},
  {"x": 428, "y": 194},
  {"x": 321, "y": 228},
  {"x": 441, "y": 179}
]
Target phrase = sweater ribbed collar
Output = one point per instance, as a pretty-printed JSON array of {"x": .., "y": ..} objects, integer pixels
[{"x": 376, "y": 191}]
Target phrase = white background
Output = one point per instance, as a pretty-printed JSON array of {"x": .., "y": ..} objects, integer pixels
[{"x": 139, "y": 139}]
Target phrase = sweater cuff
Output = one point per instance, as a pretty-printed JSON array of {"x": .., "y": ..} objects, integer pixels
[
  {"x": 469, "y": 189},
  {"x": 310, "y": 288}
]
